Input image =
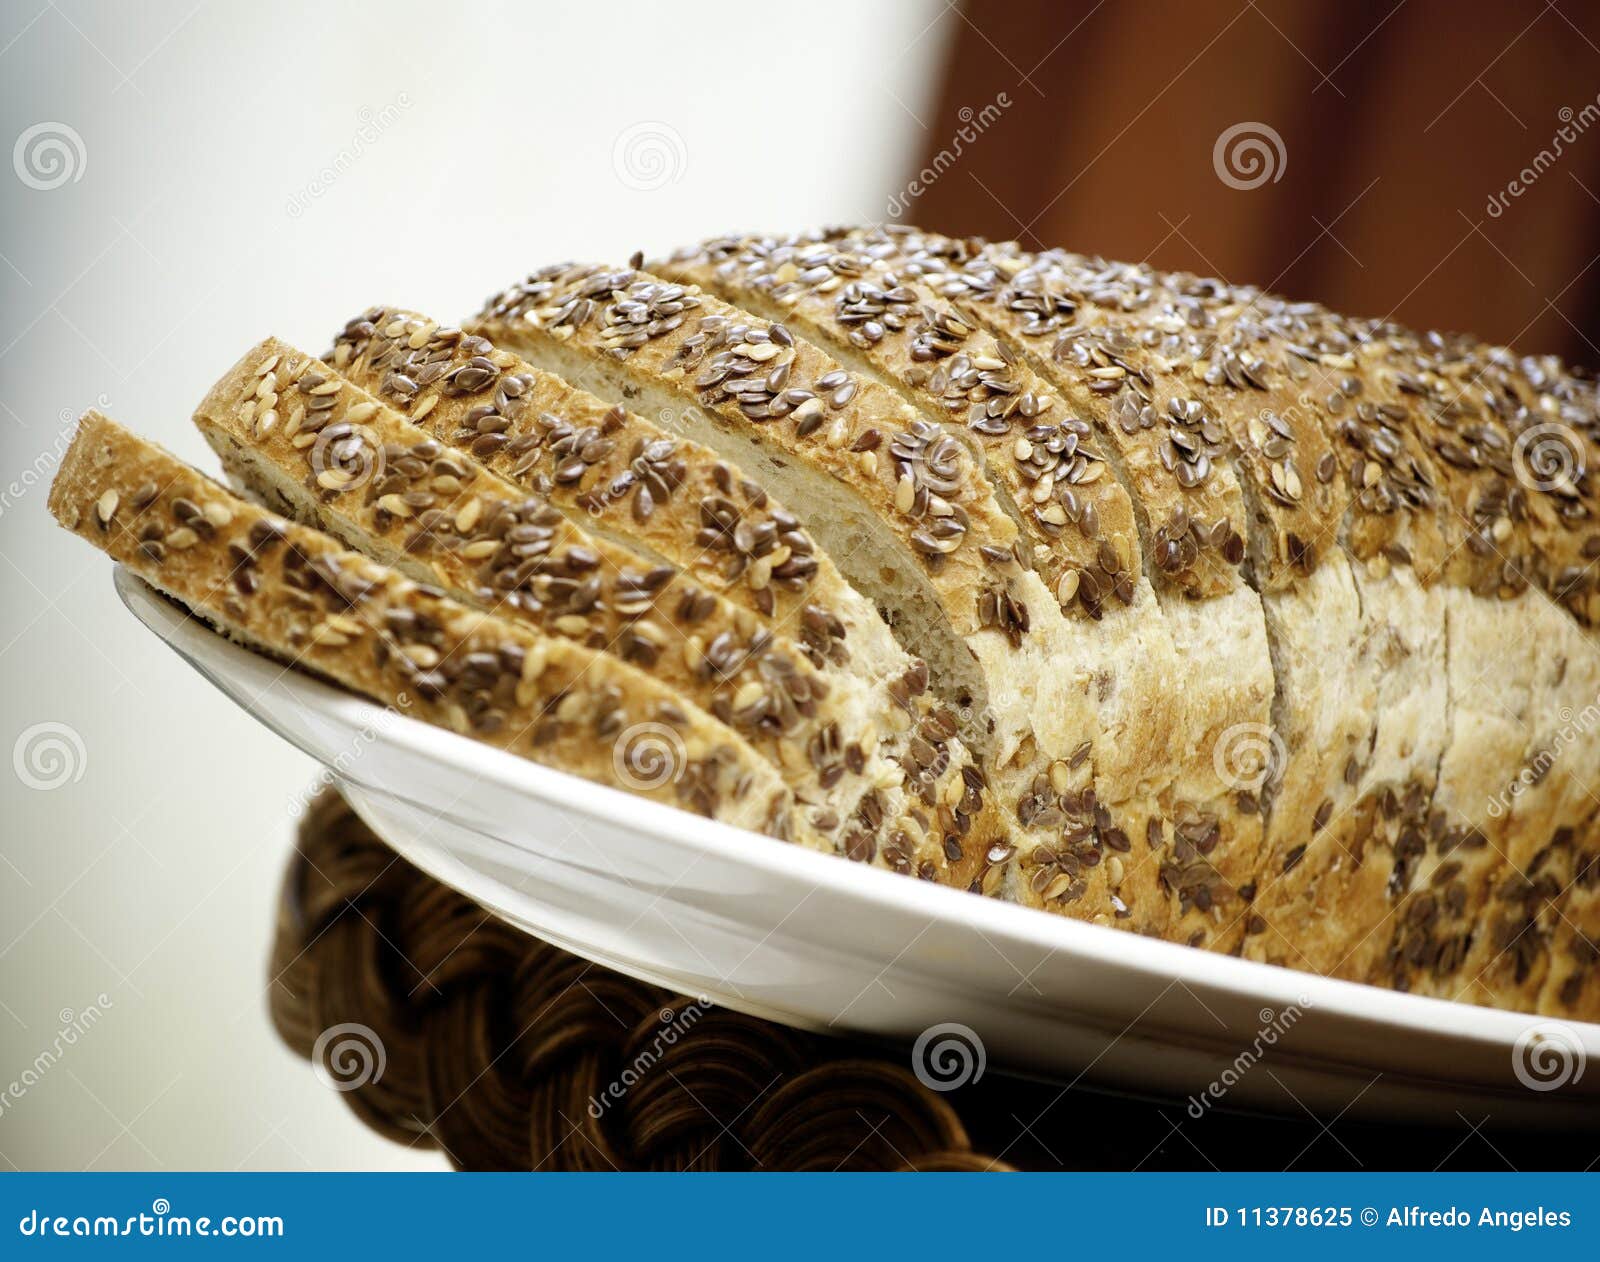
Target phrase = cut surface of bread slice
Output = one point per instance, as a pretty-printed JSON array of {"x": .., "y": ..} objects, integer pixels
[
  {"x": 1300, "y": 396},
  {"x": 361, "y": 471},
  {"x": 1193, "y": 840},
  {"x": 626, "y": 480},
  {"x": 902, "y": 508},
  {"x": 299, "y": 596}
]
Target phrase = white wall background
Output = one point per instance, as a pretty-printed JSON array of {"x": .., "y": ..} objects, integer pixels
[{"x": 234, "y": 170}]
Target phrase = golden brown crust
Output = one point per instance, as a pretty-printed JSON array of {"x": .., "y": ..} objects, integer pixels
[
  {"x": 1282, "y": 459},
  {"x": 1187, "y": 498},
  {"x": 771, "y": 386},
  {"x": 1078, "y": 522},
  {"x": 1246, "y": 355},
  {"x": 1075, "y": 514},
  {"x": 1378, "y": 862},
  {"x": 534, "y": 429},
  {"x": 920, "y": 479},
  {"x": 360, "y": 470},
  {"x": 627, "y": 479},
  {"x": 1522, "y": 435},
  {"x": 297, "y": 594}
]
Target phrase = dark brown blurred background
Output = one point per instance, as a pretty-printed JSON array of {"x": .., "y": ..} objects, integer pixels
[{"x": 1398, "y": 122}]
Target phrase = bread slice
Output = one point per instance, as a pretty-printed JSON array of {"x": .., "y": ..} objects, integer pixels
[
  {"x": 1201, "y": 834},
  {"x": 360, "y": 471},
  {"x": 628, "y": 483},
  {"x": 1441, "y": 493},
  {"x": 1471, "y": 909},
  {"x": 1266, "y": 432},
  {"x": 1572, "y": 984},
  {"x": 296, "y": 594},
  {"x": 1517, "y": 784},
  {"x": 1287, "y": 382},
  {"x": 904, "y": 510},
  {"x": 1200, "y": 815}
]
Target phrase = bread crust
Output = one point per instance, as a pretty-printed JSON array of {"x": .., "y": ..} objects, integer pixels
[
  {"x": 1150, "y": 529},
  {"x": 640, "y": 485},
  {"x": 444, "y": 519},
  {"x": 1041, "y": 458},
  {"x": 1153, "y": 761},
  {"x": 299, "y": 595},
  {"x": 1412, "y": 473},
  {"x": 1037, "y": 714}
]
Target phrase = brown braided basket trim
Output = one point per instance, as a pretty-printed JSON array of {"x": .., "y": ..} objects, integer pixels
[
  {"x": 498, "y": 1045},
  {"x": 509, "y": 1054}
]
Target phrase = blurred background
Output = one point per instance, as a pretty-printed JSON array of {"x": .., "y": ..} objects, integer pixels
[
  {"x": 1427, "y": 160},
  {"x": 187, "y": 178}
]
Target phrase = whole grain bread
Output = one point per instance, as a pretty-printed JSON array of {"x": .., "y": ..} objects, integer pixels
[
  {"x": 298, "y": 595},
  {"x": 357, "y": 468},
  {"x": 1136, "y": 596},
  {"x": 908, "y": 514},
  {"x": 1331, "y": 537},
  {"x": 643, "y": 485},
  {"x": 1048, "y": 467}
]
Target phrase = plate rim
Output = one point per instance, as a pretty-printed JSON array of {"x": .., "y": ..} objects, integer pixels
[{"x": 1253, "y": 981}]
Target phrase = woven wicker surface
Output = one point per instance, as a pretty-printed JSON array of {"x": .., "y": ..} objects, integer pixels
[{"x": 509, "y": 1054}]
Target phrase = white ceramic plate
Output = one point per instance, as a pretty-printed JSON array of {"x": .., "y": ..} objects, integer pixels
[{"x": 813, "y": 941}]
